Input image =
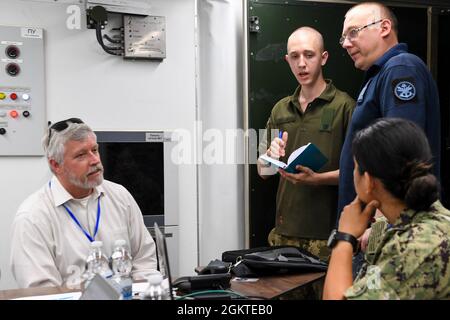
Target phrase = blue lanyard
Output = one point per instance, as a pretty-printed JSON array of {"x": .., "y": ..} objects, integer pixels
[{"x": 91, "y": 238}]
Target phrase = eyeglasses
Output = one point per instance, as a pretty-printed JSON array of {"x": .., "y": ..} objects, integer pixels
[
  {"x": 352, "y": 34},
  {"x": 61, "y": 125}
]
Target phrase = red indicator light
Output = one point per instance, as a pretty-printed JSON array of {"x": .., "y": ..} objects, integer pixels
[{"x": 14, "y": 114}]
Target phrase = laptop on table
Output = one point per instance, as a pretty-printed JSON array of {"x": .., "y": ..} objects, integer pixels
[{"x": 163, "y": 258}]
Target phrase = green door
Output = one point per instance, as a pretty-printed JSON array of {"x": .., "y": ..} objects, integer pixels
[{"x": 269, "y": 78}]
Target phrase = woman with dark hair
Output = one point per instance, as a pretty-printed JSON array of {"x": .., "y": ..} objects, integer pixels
[{"x": 393, "y": 164}]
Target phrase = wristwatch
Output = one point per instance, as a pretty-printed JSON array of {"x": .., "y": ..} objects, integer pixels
[{"x": 336, "y": 236}]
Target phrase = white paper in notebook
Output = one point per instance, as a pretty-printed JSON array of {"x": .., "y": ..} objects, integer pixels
[{"x": 308, "y": 156}]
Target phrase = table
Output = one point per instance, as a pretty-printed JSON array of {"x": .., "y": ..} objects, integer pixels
[
  {"x": 28, "y": 292},
  {"x": 274, "y": 287},
  {"x": 271, "y": 287}
]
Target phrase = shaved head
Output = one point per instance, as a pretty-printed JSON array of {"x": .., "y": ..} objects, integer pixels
[
  {"x": 306, "y": 57},
  {"x": 376, "y": 11},
  {"x": 315, "y": 35},
  {"x": 374, "y": 32}
]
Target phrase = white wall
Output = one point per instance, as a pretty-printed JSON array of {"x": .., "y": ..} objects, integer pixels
[
  {"x": 221, "y": 209},
  {"x": 108, "y": 93}
]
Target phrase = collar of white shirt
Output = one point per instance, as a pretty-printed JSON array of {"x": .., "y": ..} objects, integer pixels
[{"x": 61, "y": 196}]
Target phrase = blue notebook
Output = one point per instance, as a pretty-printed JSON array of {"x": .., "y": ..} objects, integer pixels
[{"x": 308, "y": 156}]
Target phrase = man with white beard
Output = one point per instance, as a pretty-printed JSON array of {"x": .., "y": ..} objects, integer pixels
[{"x": 54, "y": 227}]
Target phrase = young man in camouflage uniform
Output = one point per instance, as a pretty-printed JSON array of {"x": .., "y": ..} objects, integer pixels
[{"x": 317, "y": 112}]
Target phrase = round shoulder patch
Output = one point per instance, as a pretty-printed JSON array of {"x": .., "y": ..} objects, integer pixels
[{"x": 405, "y": 90}]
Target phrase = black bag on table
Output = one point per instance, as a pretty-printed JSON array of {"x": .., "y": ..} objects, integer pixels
[{"x": 275, "y": 260}]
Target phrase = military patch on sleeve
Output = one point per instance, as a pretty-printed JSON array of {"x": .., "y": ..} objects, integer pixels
[{"x": 404, "y": 90}]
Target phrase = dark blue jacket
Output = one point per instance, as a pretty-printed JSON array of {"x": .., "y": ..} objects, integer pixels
[{"x": 397, "y": 85}]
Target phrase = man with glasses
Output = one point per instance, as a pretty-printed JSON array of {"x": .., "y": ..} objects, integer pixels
[
  {"x": 54, "y": 227},
  {"x": 396, "y": 84}
]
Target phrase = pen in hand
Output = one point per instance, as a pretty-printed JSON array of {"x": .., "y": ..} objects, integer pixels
[{"x": 280, "y": 135}]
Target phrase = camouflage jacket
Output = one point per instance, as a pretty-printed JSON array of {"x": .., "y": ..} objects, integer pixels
[{"x": 411, "y": 260}]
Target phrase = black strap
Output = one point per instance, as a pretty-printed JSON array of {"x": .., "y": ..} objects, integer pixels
[{"x": 349, "y": 238}]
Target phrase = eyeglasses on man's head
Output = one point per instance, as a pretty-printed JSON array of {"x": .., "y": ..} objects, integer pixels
[
  {"x": 353, "y": 33},
  {"x": 62, "y": 125}
]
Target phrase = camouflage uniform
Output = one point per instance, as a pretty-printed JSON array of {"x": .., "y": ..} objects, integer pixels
[
  {"x": 312, "y": 291},
  {"x": 318, "y": 248},
  {"x": 309, "y": 211},
  {"x": 411, "y": 261}
]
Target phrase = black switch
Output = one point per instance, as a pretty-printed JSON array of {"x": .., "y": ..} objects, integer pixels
[
  {"x": 26, "y": 114},
  {"x": 2, "y": 131}
]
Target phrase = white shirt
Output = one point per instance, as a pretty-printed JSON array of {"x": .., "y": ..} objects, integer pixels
[{"x": 49, "y": 248}]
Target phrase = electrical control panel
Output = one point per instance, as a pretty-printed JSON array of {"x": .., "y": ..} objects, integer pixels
[
  {"x": 144, "y": 37},
  {"x": 22, "y": 91}
]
